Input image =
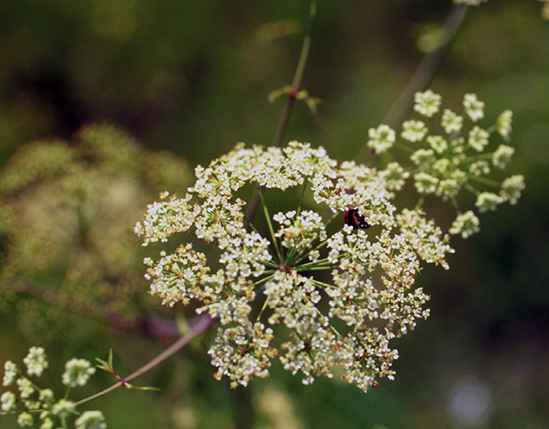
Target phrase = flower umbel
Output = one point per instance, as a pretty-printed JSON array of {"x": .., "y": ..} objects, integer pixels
[
  {"x": 299, "y": 261},
  {"x": 10, "y": 373},
  {"x": 42, "y": 403},
  {"x": 36, "y": 361},
  {"x": 91, "y": 420},
  {"x": 446, "y": 164},
  {"x": 382, "y": 138},
  {"x": 77, "y": 372},
  {"x": 427, "y": 103}
]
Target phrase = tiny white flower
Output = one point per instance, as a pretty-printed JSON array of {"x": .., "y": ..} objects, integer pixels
[
  {"x": 63, "y": 408},
  {"x": 451, "y": 122},
  {"x": 77, "y": 372},
  {"x": 382, "y": 138},
  {"x": 448, "y": 188},
  {"x": 46, "y": 396},
  {"x": 36, "y": 361},
  {"x": 25, "y": 420},
  {"x": 503, "y": 123},
  {"x": 502, "y": 156},
  {"x": 47, "y": 423},
  {"x": 437, "y": 143},
  {"x": 465, "y": 224},
  {"x": 511, "y": 188},
  {"x": 424, "y": 158},
  {"x": 488, "y": 201},
  {"x": 473, "y": 107},
  {"x": 478, "y": 138},
  {"x": 425, "y": 183},
  {"x": 395, "y": 176},
  {"x": 91, "y": 420},
  {"x": 478, "y": 168},
  {"x": 10, "y": 373},
  {"x": 427, "y": 103},
  {"x": 284, "y": 266},
  {"x": 8, "y": 401},
  {"x": 413, "y": 131},
  {"x": 25, "y": 387}
]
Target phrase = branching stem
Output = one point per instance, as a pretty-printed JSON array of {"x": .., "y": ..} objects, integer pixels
[{"x": 202, "y": 325}]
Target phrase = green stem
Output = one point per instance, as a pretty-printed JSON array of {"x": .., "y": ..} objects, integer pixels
[
  {"x": 202, "y": 325},
  {"x": 318, "y": 247},
  {"x": 323, "y": 264},
  {"x": 263, "y": 309},
  {"x": 404, "y": 147},
  {"x": 323, "y": 285},
  {"x": 283, "y": 122},
  {"x": 270, "y": 225},
  {"x": 424, "y": 72},
  {"x": 478, "y": 157},
  {"x": 334, "y": 216},
  {"x": 471, "y": 189},
  {"x": 426, "y": 68},
  {"x": 484, "y": 180},
  {"x": 298, "y": 75}
]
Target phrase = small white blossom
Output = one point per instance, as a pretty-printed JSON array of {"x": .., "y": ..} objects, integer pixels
[
  {"x": 47, "y": 423},
  {"x": 372, "y": 271},
  {"x": 300, "y": 233},
  {"x": 425, "y": 237},
  {"x": 243, "y": 353},
  {"x": 394, "y": 175},
  {"x": 46, "y": 396},
  {"x": 488, "y": 201},
  {"x": 425, "y": 183},
  {"x": 448, "y": 188},
  {"x": 10, "y": 373},
  {"x": 503, "y": 123},
  {"x": 502, "y": 156},
  {"x": 63, "y": 408},
  {"x": 443, "y": 167},
  {"x": 413, "y": 131},
  {"x": 25, "y": 387},
  {"x": 32, "y": 405},
  {"x": 8, "y": 401},
  {"x": 437, "y": 143},
  {"x": 427, "y": 103},
  {"x": 382, "y": 138},
  {"x": 512, "y": 187},
  {"x": 25, "y": 420},
  {"x": 451, "y": 122},
  {"x": 478, "y": 168},
  {"x": 91, "y": 420},
  {"x": 458, "y": 146},
  {"x": 473, "y": 107},
  {"x": 465, "y": 224},
  {"x": 36, "y": 361},
  {"x": 478, "y": 138},
  {"x": 77, "y": 372},
  {"x": 424, "y": 158}
]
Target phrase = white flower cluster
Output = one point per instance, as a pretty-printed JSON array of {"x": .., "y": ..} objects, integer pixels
[
  {"x": 338, "y": 291},
  {"x": 42, "y": 402},
  {"x": 446, "y": 164}
]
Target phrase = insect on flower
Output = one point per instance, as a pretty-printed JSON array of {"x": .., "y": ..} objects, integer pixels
[{"x": 352, "y": 218}]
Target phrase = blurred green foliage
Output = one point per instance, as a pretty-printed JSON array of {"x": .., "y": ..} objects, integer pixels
[
  {"x": 192, "y": 78},
  {"x": 67, "y": 243}
]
